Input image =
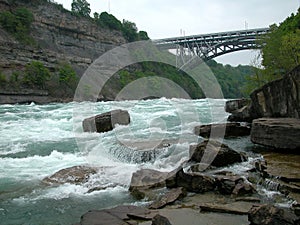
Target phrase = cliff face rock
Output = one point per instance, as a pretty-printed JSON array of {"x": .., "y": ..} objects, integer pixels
[
  {"x": 280, "y": 98},
  {"x": 59, "y": 36}
]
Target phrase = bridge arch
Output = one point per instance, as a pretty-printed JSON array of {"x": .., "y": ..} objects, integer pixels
[{"x": 209, "y": 46}]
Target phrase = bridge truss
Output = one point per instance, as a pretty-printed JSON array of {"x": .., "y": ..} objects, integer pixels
[{"x": 209, "y": 46}]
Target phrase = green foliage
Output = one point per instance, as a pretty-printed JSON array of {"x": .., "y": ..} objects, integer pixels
[
  {"x": 18, "y": 24},
  {"x": 142, "y": 35},
  {"x": 81, "y": 7},
  {"x": 130, "y": 31},
  {"x": 231, "y": 79},
  {"x": 109, "y": 21},
  {"x": 281, "y": 52},
  {"x": 36, "y": 74},
  {"x": 3, "y": 80},
  {"x": 15, "y": 79},
  {"x": 66, "y": 74}
]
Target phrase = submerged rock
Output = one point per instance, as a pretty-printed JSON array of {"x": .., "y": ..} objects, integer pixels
[
  {"x": 233, "y": 129},
  {"x": 279, "y": 133},
  {"x": 106, "y": 121},
  {"x": 271, "y": 215},
  {"x": 73, "y": 175},
  {"x": 214, "y": 153}
]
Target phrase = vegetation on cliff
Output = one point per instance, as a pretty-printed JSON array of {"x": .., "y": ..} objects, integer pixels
[
  {"x": 280, "y": 52},
  {"x": 18, "y": 24}
]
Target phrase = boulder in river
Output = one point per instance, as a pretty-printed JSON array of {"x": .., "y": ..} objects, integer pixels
[
  {"x": 214, "y": 153},
  {"x": 145, "y": 179},
  {"x": 193, "y": 182},
  {"x": 73, "y": 175},
  {"x": 279, "y": 133},
  {"x": 106, "y": 121},
  {"x": 234, "y": 129}
]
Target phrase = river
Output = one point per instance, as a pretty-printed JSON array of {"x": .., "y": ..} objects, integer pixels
[{"x": 38, "y": 140}]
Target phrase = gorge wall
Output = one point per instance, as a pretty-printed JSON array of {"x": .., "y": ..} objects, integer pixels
[
  {"x": 59, "y": 36},
  {"x": 280, "y": 98}
]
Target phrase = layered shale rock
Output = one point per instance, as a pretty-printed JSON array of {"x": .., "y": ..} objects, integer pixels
[{"x": 279, "y": 133}]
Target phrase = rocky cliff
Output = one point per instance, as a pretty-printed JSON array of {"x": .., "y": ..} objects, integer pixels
[
  {"x": 279, "y": 98},
  {"x": 59, "y": 36}
]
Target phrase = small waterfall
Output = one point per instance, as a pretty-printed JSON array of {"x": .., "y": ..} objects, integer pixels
[{"x": 271, "y": 185}]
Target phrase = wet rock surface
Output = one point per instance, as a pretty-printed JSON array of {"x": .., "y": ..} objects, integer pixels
[
  {"x": 193, "y": 182},
  {"x": 279, "y": 133},
  {"x": 116, "y": 216},
  {"x": 233, "y": 105},
  {"x": 271, "y": 215},
  {"x": 279, "y": 98},
  {"x": 214, "y": 153},
  {"x": 233, "y": 129},
  {"x": 73, "y": 175},
  {"x": 160, "y": 220},
  {"x": 106, "y": 121},
  {"x": 169, "y": 197}
]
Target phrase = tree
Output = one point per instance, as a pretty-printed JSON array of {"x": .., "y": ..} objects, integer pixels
[
  {"x": 108, "y": 20},
  {"x": 281, "y": 50},
  {"x": 143, "y": 35},
  {"x": 130, "y": 31},
  {"x": 81, "y": 7}
]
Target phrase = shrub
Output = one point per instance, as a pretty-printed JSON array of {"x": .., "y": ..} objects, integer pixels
[
  {"x": 3, "y": 80},
  {"x": 18, "y": 24},
  {"x": 36, "y": 74},
  {"x": 66, "y": 73}
]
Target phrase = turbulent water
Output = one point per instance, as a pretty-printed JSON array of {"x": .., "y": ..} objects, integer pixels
[{"x": 38, "y": 140}]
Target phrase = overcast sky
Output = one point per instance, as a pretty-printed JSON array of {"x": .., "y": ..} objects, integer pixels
[{"x": 169, "y": 18}]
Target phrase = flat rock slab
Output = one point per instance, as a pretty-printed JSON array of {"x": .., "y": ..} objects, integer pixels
[
  {"x": 117, "y": 216},
  {"x": 284, "y": 166},
  {"x": 168, "y": 198},
  {"x": 147, "y": 178},
  {"x": 232, "y": 129},
  {"x": 237, "y": 209},
  {"x": 279, "y": 133},
  {"x": 187, "y": 216}
]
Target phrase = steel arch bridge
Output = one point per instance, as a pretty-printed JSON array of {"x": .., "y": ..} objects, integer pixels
[{"x": 209, "y": 46}]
